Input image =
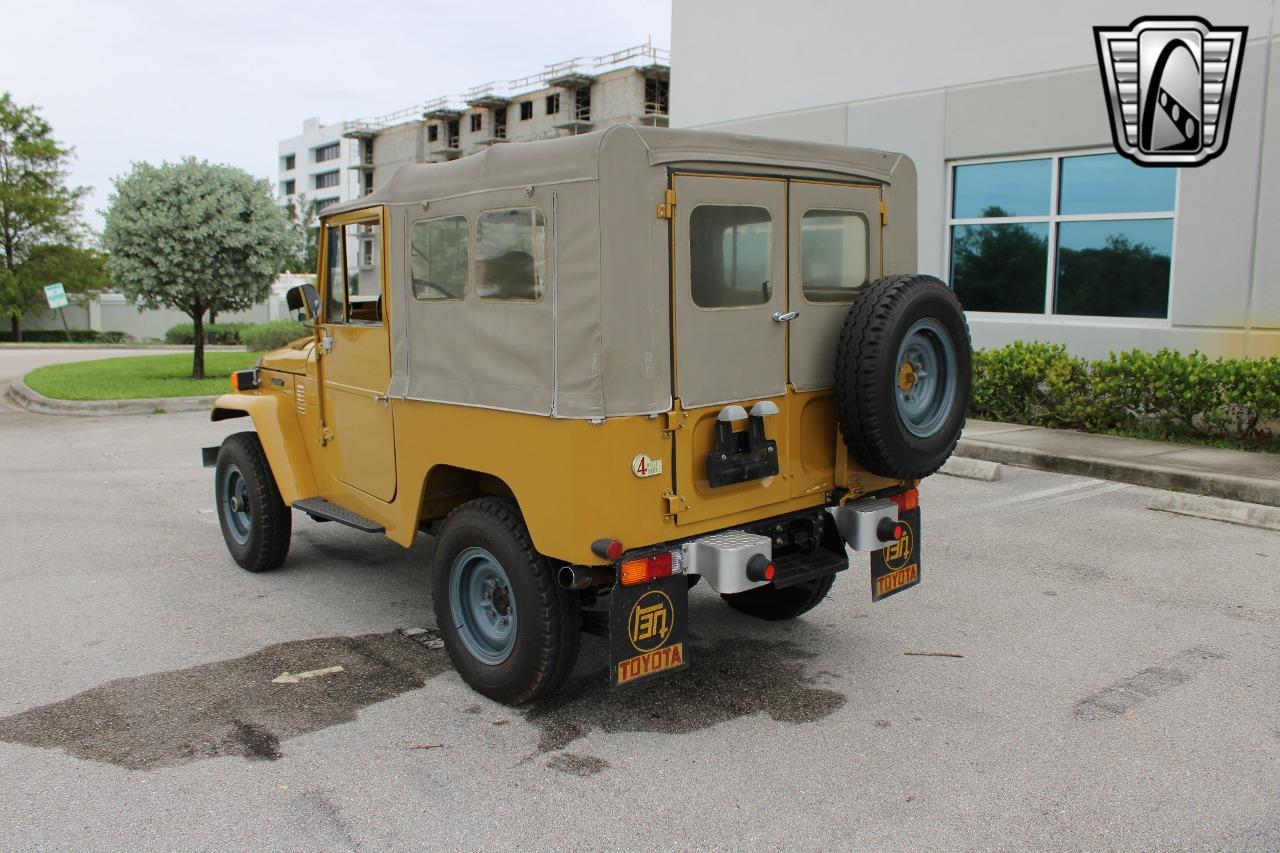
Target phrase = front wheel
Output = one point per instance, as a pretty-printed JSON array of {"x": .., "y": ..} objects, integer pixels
[
  {"x": 510, "y": 629},
  {"x": 256, "y": 524},
  {"x": 768, "y": 602}
]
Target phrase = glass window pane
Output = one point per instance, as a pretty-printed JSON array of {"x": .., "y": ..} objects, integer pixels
[
  {"x": 1000, "y": 267},
  {"x": 731, "y": 249},
  {"x": 364, "y": 293},
  {"x": 833, "y": 254},
  {"x": 439, "y": 254},
  {"x": 336, "y": 292},
  {"x": 1108, "y": 183},
  {"x": 511, "y": 254},
  {"x": 1015, "y": 188},
  {"x": 1114, "y": 269}
]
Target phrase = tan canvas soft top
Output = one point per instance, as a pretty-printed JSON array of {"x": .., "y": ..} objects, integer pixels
[{"x": 597, "y": 342}]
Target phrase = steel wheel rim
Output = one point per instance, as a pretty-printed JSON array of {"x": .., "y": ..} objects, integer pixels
[
  {"x": 482, "y": 605},
  {"x": 928, "y": 356},
  {"x": 235, "y": 504}
]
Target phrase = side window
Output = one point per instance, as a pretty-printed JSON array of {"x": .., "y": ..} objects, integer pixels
[
  {"x": 833, "y": 254},
  {"x": 439, "y": 253},
  {"x": 336, "y": 291},
  {"x": 354, "y": 288},
  {"x": 511, "y": 254},
  {"x": 731, "y": 255}
]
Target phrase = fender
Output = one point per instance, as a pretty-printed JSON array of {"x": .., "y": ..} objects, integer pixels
[{"x": 281, "y": 439}]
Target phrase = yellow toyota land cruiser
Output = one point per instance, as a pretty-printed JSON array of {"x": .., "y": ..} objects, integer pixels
[{"x": 599, "y": 369}]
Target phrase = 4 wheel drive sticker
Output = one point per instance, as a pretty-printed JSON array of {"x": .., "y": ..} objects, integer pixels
[
  {"x": 1170, "y": 85},
  {"x": 643, "y": 466}
]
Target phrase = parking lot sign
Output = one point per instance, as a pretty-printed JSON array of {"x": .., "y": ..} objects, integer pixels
[{"x": 56, "y": 294}]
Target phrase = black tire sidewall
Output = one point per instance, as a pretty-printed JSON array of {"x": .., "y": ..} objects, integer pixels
[{"x": 266, "y": 510}]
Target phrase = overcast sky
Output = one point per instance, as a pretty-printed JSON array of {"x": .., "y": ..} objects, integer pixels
[{"x": 225, "y": 81}]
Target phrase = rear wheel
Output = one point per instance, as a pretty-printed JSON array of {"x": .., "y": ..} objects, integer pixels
[
  {"x": 256, "y": 524},
  {"x": 510, "y": 629},
  {"x": 768, "y": 602}
]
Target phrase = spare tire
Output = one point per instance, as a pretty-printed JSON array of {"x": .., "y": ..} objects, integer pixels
[{"x": 902, "y": 378}]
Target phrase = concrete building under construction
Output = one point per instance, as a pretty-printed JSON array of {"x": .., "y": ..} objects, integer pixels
[{"x": 566, "y": 98}]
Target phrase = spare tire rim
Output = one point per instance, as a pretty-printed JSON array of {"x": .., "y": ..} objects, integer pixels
[
  {"x": 482, "y": 605},
  {"x": 925, "y": 378}
]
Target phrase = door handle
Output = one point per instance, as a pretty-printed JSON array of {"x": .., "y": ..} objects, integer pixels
[{"x": 780, "y": 317}]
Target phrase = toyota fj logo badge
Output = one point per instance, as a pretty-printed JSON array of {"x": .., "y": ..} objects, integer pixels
[{"x": 1170, "y": 84}]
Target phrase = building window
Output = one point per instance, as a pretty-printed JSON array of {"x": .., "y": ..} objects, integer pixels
[
  {"x": 526, "y": 110},
  {"x": 288, "y": 187},
  {"x": 368, "y": 182},
  {"x": 731, "y": 255},
  {"x": 327, "y": 152},
  {"x": 440, "y": 251},
  {"x": 452, "y": 141},
  {"x": 326, "y": 179},
  {"x": 511, "y": 254},
  {"x": 1080, "y": 235},
  {"x": 553, "y": 104},
  {"x": 290, "y": 162},
  {"x": 323, "y": 203},
  {"x": 582, "y": 104},
  {"x": 500, "y": 123},
  {"x": 477, "y": 121},
  {"x": 433, "y": 132},
  {"x": 657, "y": 93}
]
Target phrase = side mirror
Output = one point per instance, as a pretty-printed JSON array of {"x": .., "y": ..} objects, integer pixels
[{"x": 304, "y": 301}]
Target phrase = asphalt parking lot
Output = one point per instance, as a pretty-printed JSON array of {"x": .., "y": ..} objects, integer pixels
[{"x": 1116, "y": 684}]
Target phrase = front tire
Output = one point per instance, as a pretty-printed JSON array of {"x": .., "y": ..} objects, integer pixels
[
  {"x": 768, "y": 602},
  {"x": 512, "y": 631},
  {"x": 255, "y": 522}
]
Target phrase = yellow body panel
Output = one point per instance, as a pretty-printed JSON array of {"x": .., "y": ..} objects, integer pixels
[{"x": 281, "y": 436}]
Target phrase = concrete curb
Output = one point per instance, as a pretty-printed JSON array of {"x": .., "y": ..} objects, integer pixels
[
  {"x": 1217, "y": 509},
  {"x": 34, "y": 401},
  {"x": 1228, "y": 486},
  {"x": 972, "y": 469}
]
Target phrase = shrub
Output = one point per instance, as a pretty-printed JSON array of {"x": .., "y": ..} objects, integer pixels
[
  {"x": 57, "y": 336},
  {"x": 226, "y": 334},
  {"x": 1165, "y": 393},
  {"x": 266, "y": 336}
]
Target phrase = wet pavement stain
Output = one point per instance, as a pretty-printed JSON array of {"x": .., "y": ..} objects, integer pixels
[
  {"x": 727, "y": 679},
  {"x": 577, "y": 765},
  {"x": 1119, "y": 698},
  {"x": 229, "y": 707}
]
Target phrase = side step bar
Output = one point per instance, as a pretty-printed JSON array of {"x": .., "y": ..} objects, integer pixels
[{"x": 323, "y": 510}]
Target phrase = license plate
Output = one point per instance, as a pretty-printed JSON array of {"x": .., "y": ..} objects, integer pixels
[
  {"x": 897, "y": 567},
  {"x": 647, "y": 630}
]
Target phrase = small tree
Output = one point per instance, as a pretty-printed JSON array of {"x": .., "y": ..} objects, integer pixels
[
  {"x": 194, "y": 236},
  {"x": 36, "y": 206},
  {"x": 304, "y": 236}
]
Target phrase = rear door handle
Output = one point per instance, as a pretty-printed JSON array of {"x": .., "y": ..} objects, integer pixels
[{"x": 780, "y": 317}]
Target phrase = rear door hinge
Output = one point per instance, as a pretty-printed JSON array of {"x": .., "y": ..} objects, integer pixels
[
  {"x": 676, "y": 504},
  {"x": 667, "y": 207},
  {"x": 884, "y": 212}
]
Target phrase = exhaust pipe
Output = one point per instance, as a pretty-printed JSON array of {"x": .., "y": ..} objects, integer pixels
[{"x": 585, "y": 577}]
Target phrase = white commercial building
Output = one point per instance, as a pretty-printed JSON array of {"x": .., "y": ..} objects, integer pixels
[
  {"x": 1024, "y": 206},
  {"x": 320, "y": 164}
]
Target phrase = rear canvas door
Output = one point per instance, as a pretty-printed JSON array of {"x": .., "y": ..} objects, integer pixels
[
  {"x": 834, "y": 235},
  {"x": 730, "y": 271}
]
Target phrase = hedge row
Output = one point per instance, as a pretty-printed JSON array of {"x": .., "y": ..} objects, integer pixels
[
  {"x": 57, "y": 336},
  {"x": 256, "y": 337},
  {"x": 1166, "y": 393}
]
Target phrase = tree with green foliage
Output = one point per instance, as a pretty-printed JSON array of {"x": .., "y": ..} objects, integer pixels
[
  {"x": 304, "y": 234},
  {"x": 37, "y": 208},
  {"x": 194, "y": 236}
]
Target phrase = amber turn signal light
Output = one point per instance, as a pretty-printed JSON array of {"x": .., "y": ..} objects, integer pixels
[{"x": 640, "y": 570}]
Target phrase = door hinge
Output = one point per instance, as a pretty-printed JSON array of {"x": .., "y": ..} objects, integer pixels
[
  {"x": 884, "y": 212},
  {"x": 667, "y": 207},
  {"x": 676, "y": 504}
]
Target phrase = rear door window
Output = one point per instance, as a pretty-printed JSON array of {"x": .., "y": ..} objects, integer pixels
[
  {"x": 833, "y": 254},
  {"x": 731, "y": 255}
]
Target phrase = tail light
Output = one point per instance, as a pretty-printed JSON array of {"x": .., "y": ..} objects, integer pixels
[
  {"x": 908, "y": 500},
  {"x": 651, "y": 567}
]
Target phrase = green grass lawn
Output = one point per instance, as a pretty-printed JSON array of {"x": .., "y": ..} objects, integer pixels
[{"x": 138, "y": 376}]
